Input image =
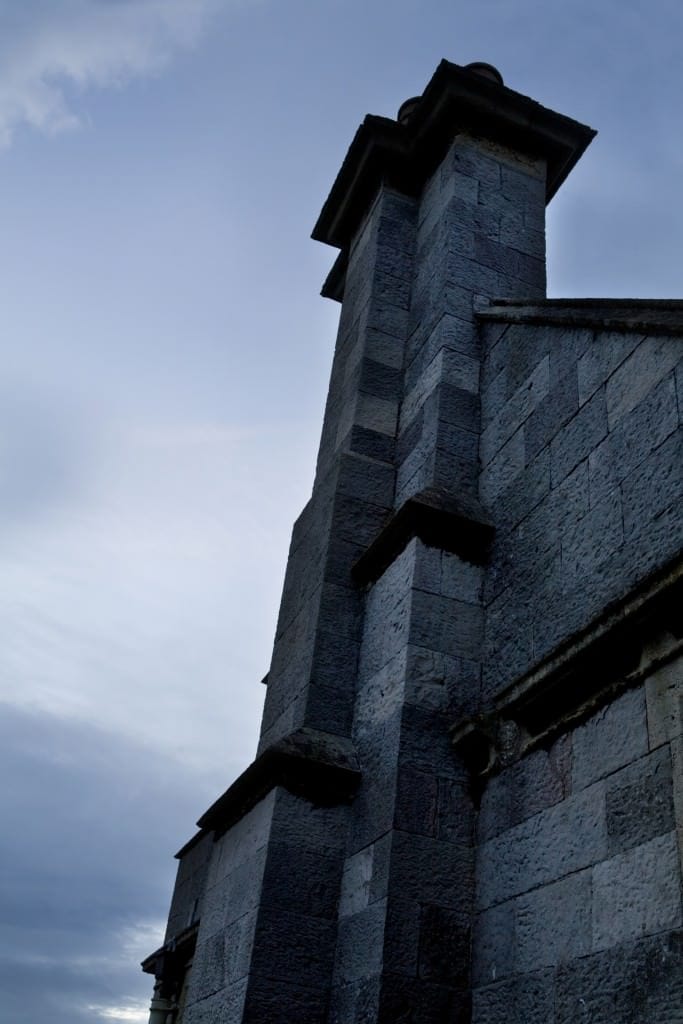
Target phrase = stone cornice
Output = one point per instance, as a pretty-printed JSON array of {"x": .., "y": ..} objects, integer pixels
[
  {"x": 403, "y": 156},
  {"x": 317, "y": 766},
  {"x": 645, "y": 316},
  {"x": 581, "y": 676}
]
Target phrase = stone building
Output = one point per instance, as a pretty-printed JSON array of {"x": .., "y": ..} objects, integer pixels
[{"x": 467, "y": 804}]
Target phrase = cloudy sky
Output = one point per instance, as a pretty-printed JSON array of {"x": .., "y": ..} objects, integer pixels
[{"x": 164, "y": 363}]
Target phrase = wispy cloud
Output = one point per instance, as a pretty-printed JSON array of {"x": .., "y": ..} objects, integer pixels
[{"x": 49, "y": 48}]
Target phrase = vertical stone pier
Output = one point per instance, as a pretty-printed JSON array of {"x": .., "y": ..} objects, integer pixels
[{"x": 334, "y": 881}]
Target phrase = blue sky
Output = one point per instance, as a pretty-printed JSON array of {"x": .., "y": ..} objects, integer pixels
[{"x": 165, "y": 355}]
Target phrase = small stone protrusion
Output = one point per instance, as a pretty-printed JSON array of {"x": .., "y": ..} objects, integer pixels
[
  {"x": 407, "y": 108},
  {"x": 484, "y": 70}
]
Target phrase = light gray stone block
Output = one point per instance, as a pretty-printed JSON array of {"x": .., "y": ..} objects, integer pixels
[
  {"x": 637, "y": 893},
  {"x": 553, "y": 923},
  {"x": 612, "y": 738},
  {"x": 582, "y": 434},
  {"x": 651, "y": 361},
  {"x": 557, "y": 842},
  {"x": 602, "y": 358}
]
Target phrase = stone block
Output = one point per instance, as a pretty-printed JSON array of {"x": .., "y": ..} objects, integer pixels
[
  {"x": 455, "y": 811},
  {"x": 525, "y": 493},
  {"x": 612, "y": 738},
  {"x": 461, "y": 580},
  {"x": 516, "y": 410},
  {"x": 634, "y": 983},
  {"x": 416, "y": 802},
  {"x": 493, "y": 944},
  {"x": 297, "y": 821},
  {"x": 430, "y": 673},
  {"x": 371, "y": 443},
  {"x": 283, "y": 1003},
  {"x": 421, "y": 1002},
  {"x": 356, "y": 881},
  {"x": 588, "y": 542},
  {"x": 360, "y": 939},
  {"x": 227, "y": 1004},
  {"x": 431, "y": 871},
  {"x": 238, "y": 943},
  {"x": 443, "y": 624},
  {"x": 553, "y": 923},
  {"x": 653, "y": 487},
  {"x": 528, "y": 999},
  {"x": 401, "y": 935},
  {"x": 637, "y": 893},
  {"x": 636, "y": 435},
  {"x": 557, "y": 842},
  {"x": 551, "y": 414},
  {"x": 302, "y": 879},
  {"x": 290, "y": 945},
  {"x": 539, "y": 780},
  {"x": 444, "y": 952},
  {"x": 639, "y": 373},
  {"x": 579, "y": 438},
  {"x": 602, "y": 358},
  {"x": 664, "y": 698},
  {"x": 366, "y": 479},
  {"x": 425, "y": 744},
  {"x": 639, "y": 802},
  {"x": 503, "y": 469}
]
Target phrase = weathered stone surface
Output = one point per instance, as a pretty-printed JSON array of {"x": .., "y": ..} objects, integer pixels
[
  {"x": 639, "y": 802},
  {"x": 633, "y": 983},
  {"x": 553, "y": 923},
  {"x": 652, "y": 360},
  {"x": 637, "y": 893},
  {"x": 563, "y": 839},
  {"x": 580, "y": 436},
  {"x": 527, "y": 999},
  {"x": 601, "y": 359},
  {"x": 612, "y": 738},
  {"x": 493, "y": 944}
]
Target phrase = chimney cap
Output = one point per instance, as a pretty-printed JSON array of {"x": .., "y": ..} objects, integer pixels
[{"x": 403, "y": 154}]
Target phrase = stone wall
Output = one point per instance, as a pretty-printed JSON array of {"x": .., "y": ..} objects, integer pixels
[
  {"x": 582, "y": 467},
  {"x": 579, "y": 871}
]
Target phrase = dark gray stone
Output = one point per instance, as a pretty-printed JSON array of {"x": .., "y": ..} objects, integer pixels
[
  {"x": 639, "y": 802},
  {"x": 637, "y": 892},
  {"x": 579, "y": 438},
  {"x": 633, "y": 983},
  {"x": 550, "y": 845},
  {"x": 529, "y": 999},
  {"x": 553, "y": 923},
  {"x": 493, "y": 944},
  {"x": 634, "y": 437},
  {"x": 612, "y": 738}
]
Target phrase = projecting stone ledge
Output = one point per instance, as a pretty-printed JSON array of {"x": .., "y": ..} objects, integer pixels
[
  {"x": 651, "y": 316},
  {"x": 439, "y": 520},
  {"x": 322, "y": 768}
]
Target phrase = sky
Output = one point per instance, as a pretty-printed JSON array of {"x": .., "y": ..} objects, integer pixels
[{"x": 164, "y": 357}]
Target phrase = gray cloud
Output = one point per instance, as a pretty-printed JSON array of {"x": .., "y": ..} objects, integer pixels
[
  {"x": 49, "y": 49},
  {"x": 85, "y": 817}
]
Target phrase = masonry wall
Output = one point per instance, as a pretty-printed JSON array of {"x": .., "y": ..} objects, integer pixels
[
  {"x": 579, "y": 871},
  {"x": 582, "y": 466}
]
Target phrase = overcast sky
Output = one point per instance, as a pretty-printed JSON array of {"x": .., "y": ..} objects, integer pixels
[{"x": 165, "y": 355}]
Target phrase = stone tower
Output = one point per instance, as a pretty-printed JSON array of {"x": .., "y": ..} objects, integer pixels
[{"x": 467, "y": 802}]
